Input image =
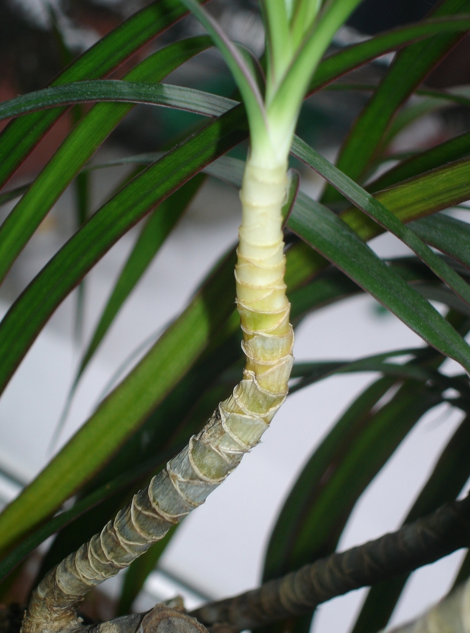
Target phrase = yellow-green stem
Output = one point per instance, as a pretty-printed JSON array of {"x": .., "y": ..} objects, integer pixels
[{"x": 235, "y": 427}]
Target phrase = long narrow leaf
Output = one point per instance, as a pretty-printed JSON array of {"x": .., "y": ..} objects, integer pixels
[
  {"x": 356, "y": 55},
  {"x": 448, "y": 234},
  {"x": 378, "y": 212},
  {"x": 350, "y": 254},
  {"x": 151, "y": 238},
  {"x": 177, "y": 97},
  {"x": 78, "y": 148},
  {"x": 317, "y": 508},
  {"x": 241, "y": 72},
  {"x": 437, "y": 156},
  {"x": 20, "y": 137},
  {"x": 408, "y": 70}
]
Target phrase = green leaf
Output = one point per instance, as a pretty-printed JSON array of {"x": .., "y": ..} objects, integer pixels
[
  {"x": 408, "y": 70},
  {"x": 445, "y": 483},
  {"x": 78, "y": 148},
  {"x": 449, "y": 235},
  {"x": 411, "y": 113},
  {"x": 354, "y": 451},
  {"x": 284, "y": 103},
  {"x": 378, "y": 212},
  {"x": 240, "y": 70},
  {"x": 278, "y": 39},
  {"x": 310, "y": 373},
  {"x": 329, "y": 235},
  {"x": 433, "y": 191},
  {"x": 152, "y": 236},
  {"x": 138, "y": 394},
  {"x": 20, "y": 137},
  {"x": 117, "y": 417},
  {"x": 356, "y": 55},
  {"x": 29, "y": 313},
  {"x": 435, "y": 157},
  {"x": 102, "y": 90},
  {"x": 12, "y": 194}
]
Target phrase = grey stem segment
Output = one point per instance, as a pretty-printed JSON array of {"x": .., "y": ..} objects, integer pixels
[{"x": 416, "y": 544}]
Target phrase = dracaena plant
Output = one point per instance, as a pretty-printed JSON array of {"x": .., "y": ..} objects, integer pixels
[
  {"x": 107, "y": 452},
  {"x": 296, "y": 40}
]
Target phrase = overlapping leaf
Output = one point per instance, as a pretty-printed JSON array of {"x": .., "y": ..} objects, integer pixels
[
  {"x": 408, "y": 70},
  {"x": 79, "y": 147},
  {"x": 21, "y": 136}
]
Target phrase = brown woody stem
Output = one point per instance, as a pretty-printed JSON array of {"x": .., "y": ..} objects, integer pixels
[{"x": 416, "y": 544}]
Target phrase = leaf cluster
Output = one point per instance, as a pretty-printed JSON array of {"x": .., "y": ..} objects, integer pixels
[{"x": 196, "y": 360}]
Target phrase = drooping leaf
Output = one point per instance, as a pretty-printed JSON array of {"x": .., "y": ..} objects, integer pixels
[
  {"x": 378, "y": 212},
  {"x": 118, "y": 416},
  {"x": 20, "y": 137},
  {"x": 352, "y": 256},
  {"x": 449, "y": 235},
  {"x": 151, "y": 237},
  {"x": 78, "y": 148},
  {"x": 310, "y": 373},
  {"x": 241, "y": 71},
  {"x": 356, "y": 448},
  {"x": 178, "y": 97},
  {"x": 29, "y": 313}
]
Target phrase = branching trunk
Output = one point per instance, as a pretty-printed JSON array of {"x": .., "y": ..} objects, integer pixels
[
  {"x": 414, "y": 545},
  {"x": 234, "y": 429}
]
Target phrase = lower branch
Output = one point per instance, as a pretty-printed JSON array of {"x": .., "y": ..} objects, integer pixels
[{"x": 426, "y": 540}]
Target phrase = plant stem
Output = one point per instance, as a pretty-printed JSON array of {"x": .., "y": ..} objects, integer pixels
[
  {"x": 234, "y": 429},
  {"x": 416, "y": 544}
]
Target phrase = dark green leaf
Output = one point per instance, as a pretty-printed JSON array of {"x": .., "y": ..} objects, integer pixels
[
  {"x": 178, "y": 97},
  {"x": 445, "y": 483},
  {"x": 128, "y": 407},
  {"x": 437, "y": 156},
  {"x": 408, "y": 70},
  {"x": 152, "y": 236},
  {"x": 335, "y": 240},
  {"x": 309, "y": 373},
  {"x": 378, "y": 212},
  {"x": 449, "y": 235},
  {"x": 21, "y": 136},
  {"x": 357, "y": 447},
  {"x": 29, "y": 313},
  {"x": 78, "y": 148},
  {"x": 357, "y": 55}
]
